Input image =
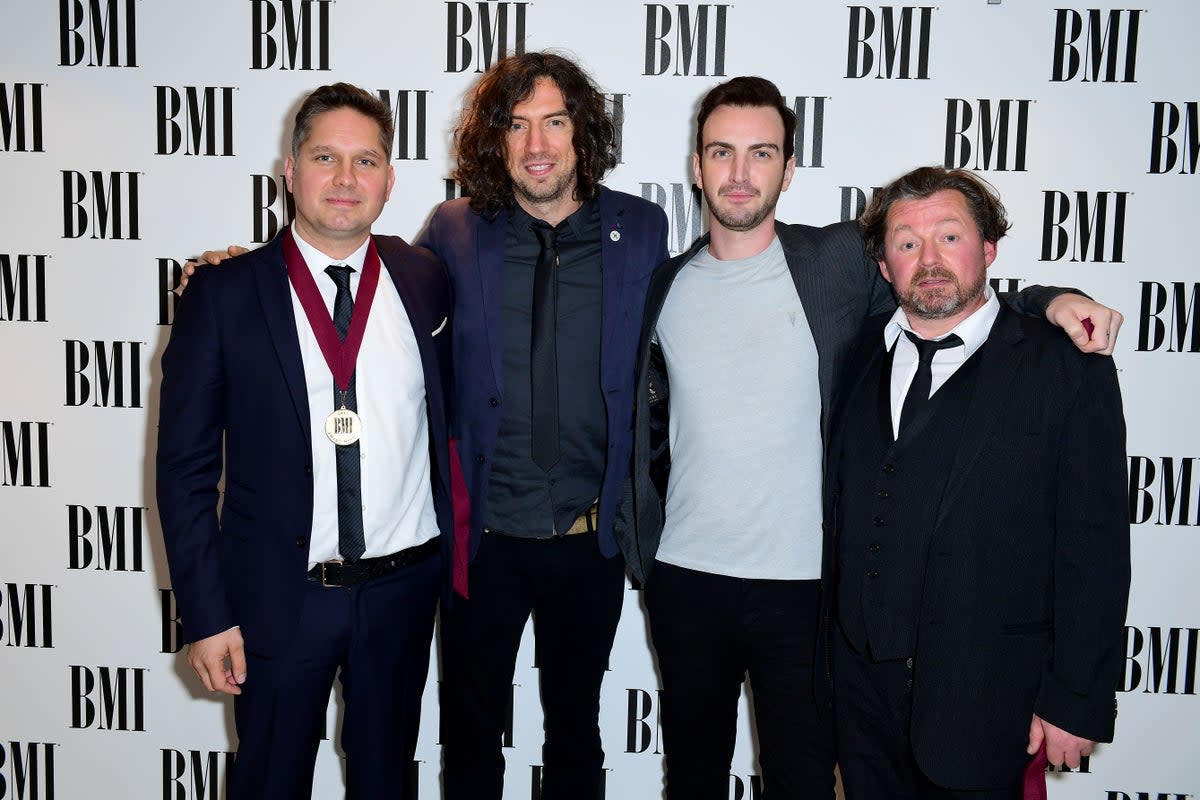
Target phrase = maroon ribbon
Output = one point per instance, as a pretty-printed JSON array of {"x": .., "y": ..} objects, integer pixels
[
  {"x": 1034, "y": 787},
  {"x": 341, "y": 356}
]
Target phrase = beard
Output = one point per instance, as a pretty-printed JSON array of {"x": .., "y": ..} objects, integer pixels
[
  {"x": 745, "y": 218},
  {"x": 941, "y": 302}
]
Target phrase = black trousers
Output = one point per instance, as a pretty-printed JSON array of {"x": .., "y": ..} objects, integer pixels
[
  {"x": 874, "y": 712},
  {"x": 710, "y": 632},
  {"x": 376, "y": 637},
  {"x": 574, "y": 594}
]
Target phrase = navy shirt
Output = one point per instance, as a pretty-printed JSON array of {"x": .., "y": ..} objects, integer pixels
[{"x": 523, "y": 499}]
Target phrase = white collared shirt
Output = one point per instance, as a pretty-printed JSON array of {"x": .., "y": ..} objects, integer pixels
[
  {"x": 397, "y": 495},
  {"x": 973, "y": 331}
]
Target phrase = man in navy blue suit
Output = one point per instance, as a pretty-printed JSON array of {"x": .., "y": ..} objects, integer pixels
[
  {"x": 284, "y": 370},
  {"x": 550, "y": 271}
]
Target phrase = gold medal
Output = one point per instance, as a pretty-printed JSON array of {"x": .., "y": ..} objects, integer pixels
[{"x": 343, "y": 427}]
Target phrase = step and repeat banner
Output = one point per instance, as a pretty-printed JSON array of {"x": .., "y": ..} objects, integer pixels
[{"x": 134, "y": 133}]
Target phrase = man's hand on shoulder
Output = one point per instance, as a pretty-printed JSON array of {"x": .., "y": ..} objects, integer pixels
[
  {"x": 1061, "y": 747},
  {"x": 209, "y": 257},
  {"x": 1074, "y": 313},
  {"x": 220, "y": 661}
]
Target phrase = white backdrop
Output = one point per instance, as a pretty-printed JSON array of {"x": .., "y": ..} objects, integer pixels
[{"x": 136, "y": 132}]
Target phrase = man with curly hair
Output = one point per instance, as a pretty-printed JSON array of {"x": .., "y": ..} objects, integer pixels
[{"x": 550, "y": 271}]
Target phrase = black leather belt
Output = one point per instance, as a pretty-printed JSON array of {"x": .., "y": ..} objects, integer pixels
[{"x": 336, "y": 573}]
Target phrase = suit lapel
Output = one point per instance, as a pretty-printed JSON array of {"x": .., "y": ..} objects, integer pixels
[
  {"x": 489, "y": 257},
  {"x": 1000, "y": 358},
  {"x": 614, "y": 254},
  {"x": 275, "y": 296}
]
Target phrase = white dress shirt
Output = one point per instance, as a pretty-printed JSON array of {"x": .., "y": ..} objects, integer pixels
[
  {"x": 973, "y": 331},
  {"x": 390, "y": 388}
]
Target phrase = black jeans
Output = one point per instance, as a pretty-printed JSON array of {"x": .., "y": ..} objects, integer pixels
[
  {"x": 574, "y": 594},
  {"x": 710, "y": 632}
]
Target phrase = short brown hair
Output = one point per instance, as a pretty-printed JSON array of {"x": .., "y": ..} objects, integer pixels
[
  {"x": 342, "y": 95},
  {"x": 982, "y": 201},
  {"x": 748, "y": 91}
]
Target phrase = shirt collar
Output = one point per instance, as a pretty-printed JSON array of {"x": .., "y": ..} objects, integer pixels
[
  {"x": 318, "y": 261},
  {"x": 973, "y": 330},
  {"x": 577, "y": 222}
]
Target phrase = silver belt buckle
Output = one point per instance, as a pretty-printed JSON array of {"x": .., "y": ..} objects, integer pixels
[{"x": 324, "y": 580}]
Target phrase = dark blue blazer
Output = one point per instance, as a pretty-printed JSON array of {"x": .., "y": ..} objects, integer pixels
[
  {"x": 633, "y": 236},
  {"x": 233, "y": 382}
]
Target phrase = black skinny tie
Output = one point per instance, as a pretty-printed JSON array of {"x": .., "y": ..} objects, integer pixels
[
  {"x": 543, "y": 353},
  {"x": 351, "y": 537},
  {"x": 918, "y": 393}
]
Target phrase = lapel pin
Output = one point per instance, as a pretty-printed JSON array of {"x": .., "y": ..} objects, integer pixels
[{"x": 615, "y": 235}]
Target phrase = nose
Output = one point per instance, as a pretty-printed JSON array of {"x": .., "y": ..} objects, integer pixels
[
  {"x": 537, "y": 139},
  {"x": 344, "y": 174},
  {"x": 739, "y": 167}
]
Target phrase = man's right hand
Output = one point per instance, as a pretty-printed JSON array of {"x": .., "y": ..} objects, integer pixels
[
  {"x": 220, "y": 661},
  {"x": 212, "y": 257}
]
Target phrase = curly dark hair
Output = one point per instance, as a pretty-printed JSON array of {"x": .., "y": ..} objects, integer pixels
[
  {"x": 982, "y": 201},
  {"x": 748, "y": 91},
  {"x": 342, "y": 95},
  {"x": 479, "y": 139}
]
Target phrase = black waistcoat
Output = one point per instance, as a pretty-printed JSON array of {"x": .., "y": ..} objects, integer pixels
[{"x": 889, "y": 493}]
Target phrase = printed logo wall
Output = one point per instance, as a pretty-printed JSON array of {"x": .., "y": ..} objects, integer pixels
[{"x": 135, "y": 133}]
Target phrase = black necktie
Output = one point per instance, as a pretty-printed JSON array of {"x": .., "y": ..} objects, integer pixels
[
  {"x": 351, "y": 538},
  {"x": 543, "y": 355},
  {"x": 918, "y": 393}
]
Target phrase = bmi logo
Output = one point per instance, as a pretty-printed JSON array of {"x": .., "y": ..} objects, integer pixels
[
  {"x": 1081, "y": 224},
  {"x": 195, "y": 774},
  {"x": 410, "y": 116},
  {"x": 172, "y": 625},
  {"x": 104, "y": 32},
  {"x": 170, "y": 273},
  {"x": 1168, "y": 317},
  {"x": 27, "y": 615},
  {"x": 274, "y": 206},
  {"x": 682, "y": 206},
  {"x": 290, "y": 34},
  {"x": 1105, "y": 53},
  {"x": 614, "y": 104},
  {"x": 102, "y": 203},
  {"x": 453, "y": 190},
  {"x": 1160, "y": 660},
  {"x": 691, "y": 38},
  {"x": 810, "y": 130},
  {"x": 1174, "y": 138},
  {"x": 27, "y": 768},
  {"x": 108, "y": 698},
  {"x": 643, "y": 728},
  {"x": 995, "y": 132},
  {"x": 22, "y": 288},
  {"x": 854, "y": 201},
  {"x": 112, "y": 369},
  {"x": 481, "y": 33},
  {"x": 891, "y": 43},
  {"x": 24, "y": 453},
  {"x": 1164, "y": 491},
  {"x": 198, "y": 119},
  {"x": 1111, "y": 795},
  {"x": 106, "y": 538},
  {"x": 21, "y": 117}
]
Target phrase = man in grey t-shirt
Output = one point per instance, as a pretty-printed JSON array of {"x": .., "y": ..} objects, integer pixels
[{"x": 743, "y": 342}]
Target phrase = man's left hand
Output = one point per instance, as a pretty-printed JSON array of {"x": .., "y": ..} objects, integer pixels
[
  {"x": 1068, "y": 311},
  {"x": 1061, "y": 747}
]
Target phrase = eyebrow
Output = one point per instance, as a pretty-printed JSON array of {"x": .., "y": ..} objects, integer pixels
[
  {"x": 756, "y": 146},
  {"x": 899, "y": 228},
  {"x": 324, "y": 148},
  {"x": 551, "y": 115}
]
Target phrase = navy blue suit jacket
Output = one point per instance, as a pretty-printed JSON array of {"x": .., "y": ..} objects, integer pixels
[
  {"x": 233, "y": 377},
  {"x": 633, "y": 236}
]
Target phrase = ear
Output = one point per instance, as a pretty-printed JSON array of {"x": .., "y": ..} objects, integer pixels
[
  {"x": 696, "y": 176},
  {"x": 883, "y": 269},
  {"x": 391, "y": 182},
  {"x": 289, "y": 166},
  {"x": 788, "y": 171},
  {"x": 989, "y": 254}
]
